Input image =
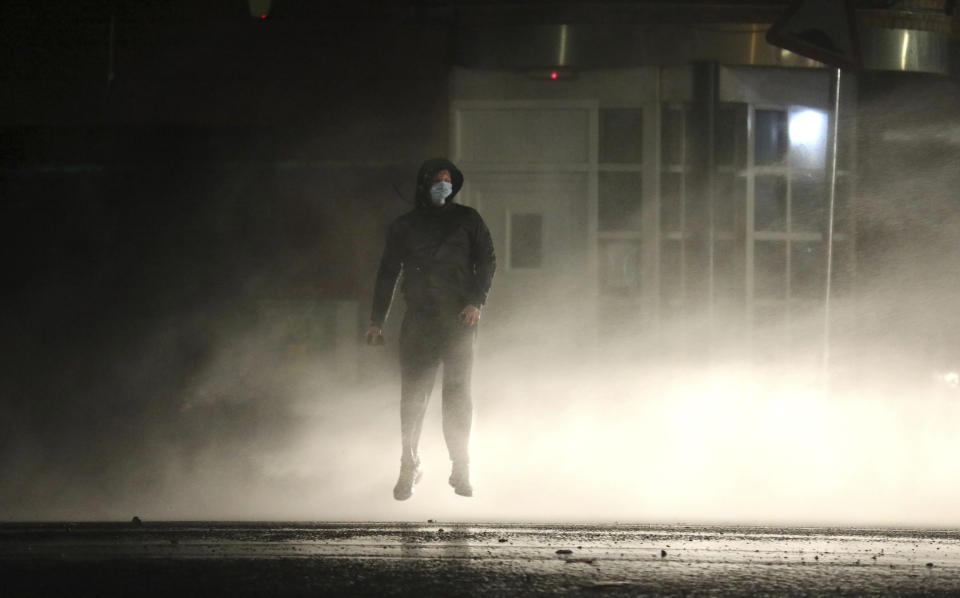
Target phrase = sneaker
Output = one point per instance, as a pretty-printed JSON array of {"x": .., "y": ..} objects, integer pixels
[
  {"x": 409, "y": 477},
  {"x": 460, "y": 479}
]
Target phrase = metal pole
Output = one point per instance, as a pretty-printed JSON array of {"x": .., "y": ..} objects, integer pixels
[{"x": 830, "y": 218}]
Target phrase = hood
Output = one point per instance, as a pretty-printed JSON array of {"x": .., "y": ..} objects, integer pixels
[{"x": 425, "y": 179}]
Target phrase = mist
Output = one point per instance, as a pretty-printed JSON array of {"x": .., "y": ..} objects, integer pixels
[
  {"x": 559, "y": 436},
  {"x": 567, "y": 428},
  {"x": 187, "y": 346}
]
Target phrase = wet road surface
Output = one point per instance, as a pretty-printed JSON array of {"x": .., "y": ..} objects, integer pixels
[{"x": 457, "y": 559}]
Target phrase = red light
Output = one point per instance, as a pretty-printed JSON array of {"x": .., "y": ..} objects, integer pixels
[
  {"x": 553, "y": 75},
  {"x": 263, "y": 16}
]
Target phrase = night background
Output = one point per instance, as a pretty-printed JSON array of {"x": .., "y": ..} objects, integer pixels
[
  {"x": 149, "y": 218},
  {"x": 194, "y": 201}
]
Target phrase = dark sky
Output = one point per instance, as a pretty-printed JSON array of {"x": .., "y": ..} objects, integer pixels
[{"x": 148, "y": 218}]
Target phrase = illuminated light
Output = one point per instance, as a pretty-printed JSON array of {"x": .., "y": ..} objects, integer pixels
[
  {"x": 808, "y": 127},
  {"x": 563, "y": 46},
  {"x": 808, "y": 138},
  {"x": 951, "y": 379},
  {"x": 903, "y": 50},
  {"x": 556, "y": 73},
  {"x": 259, "y": 9}
]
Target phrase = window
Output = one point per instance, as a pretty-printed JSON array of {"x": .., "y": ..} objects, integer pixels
[
  {"x": 672, "y": 135},
  {"x": 729, "y": 193},
  {"x": 790, "y": 198},
  {"x": 621, "y": 135},
  {"x": 671, "y": 273},
  {"x": 808, "y": 138},
  {"x": 620, "y": 267},
  {"x": 620, "y": 210},
  {"x": 770, "y": 203},
  {"x": 731, "y": 136},
  {"x": 620, "y": 194},
  {"x": 770, "y": 269},
  {"x": 807, "y": 273},
  {"x": 842, "y": 214},
  {"x": 729, "y": 271},
  {"x": 671, "y": 202},
  {"x": 807, "y": 202},
  {"x": 841, "y": 274},
  {"x": 526, "y": 240},
  {"x": 675, "y": 206},
  {"x": 771, "y": 139}
]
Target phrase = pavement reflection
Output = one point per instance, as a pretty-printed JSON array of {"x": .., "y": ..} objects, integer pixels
[{"x": 446, "y": 559}]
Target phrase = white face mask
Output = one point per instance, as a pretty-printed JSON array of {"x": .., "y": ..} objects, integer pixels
[{"x": 439, "y": 192}]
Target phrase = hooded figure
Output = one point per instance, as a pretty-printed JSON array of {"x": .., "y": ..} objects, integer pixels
[
  {"x": 445, "y": 253},
  {"x": 425, "y": 181}
]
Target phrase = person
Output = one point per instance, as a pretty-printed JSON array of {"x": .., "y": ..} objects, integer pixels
[{"x": 446, "y": 255}]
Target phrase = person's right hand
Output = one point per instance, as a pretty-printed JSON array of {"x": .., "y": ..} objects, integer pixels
[{"x": 374, "y": 335}]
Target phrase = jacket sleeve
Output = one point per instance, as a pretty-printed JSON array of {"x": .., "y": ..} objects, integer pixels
[
  {"x": 390, "y": 264},
  {"x": 485, "y": 262}
]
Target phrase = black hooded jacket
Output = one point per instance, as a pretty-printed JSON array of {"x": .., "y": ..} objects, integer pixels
[{"x": 445, "y": 253}]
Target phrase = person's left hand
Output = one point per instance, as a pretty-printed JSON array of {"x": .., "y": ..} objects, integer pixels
[{"x": 470, "y": 315}]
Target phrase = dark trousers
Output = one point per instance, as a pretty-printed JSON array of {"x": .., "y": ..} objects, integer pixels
[{"x": 428, "y": 339}]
